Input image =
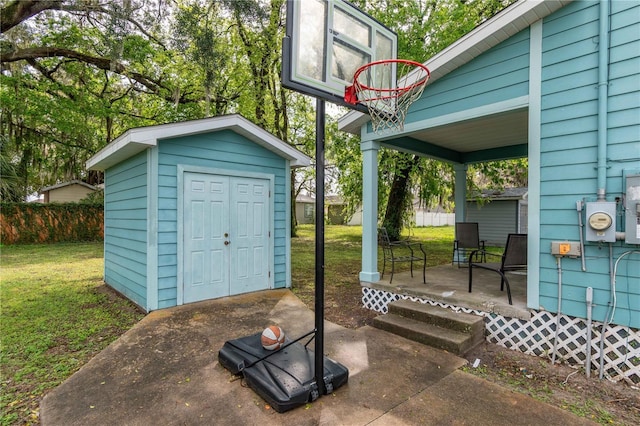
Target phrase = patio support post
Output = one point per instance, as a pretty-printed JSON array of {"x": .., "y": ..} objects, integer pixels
[
  {"x": 460, "y": 191},
  {"x": 369, "y": 271}
]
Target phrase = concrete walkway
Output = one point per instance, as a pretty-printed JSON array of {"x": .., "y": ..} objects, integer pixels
[{"x": 165, "y": 371}]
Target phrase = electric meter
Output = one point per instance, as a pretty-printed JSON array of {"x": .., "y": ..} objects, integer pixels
[
  {"x": 601, "y": 217},
  {"x": 600, "y": 221}
]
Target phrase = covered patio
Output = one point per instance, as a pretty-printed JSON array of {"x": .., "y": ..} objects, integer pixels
[
  {"x": 448, "y": 285},
  {"x": 470, "y": 113}
]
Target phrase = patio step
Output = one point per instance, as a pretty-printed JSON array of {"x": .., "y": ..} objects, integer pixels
[{"x": 441, "y": 328}]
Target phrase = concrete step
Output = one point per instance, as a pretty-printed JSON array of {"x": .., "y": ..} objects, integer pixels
[
  {"x": 456, "y": 332},
  {"x": 442, "y": 338},
  {"x": 441, "y": 317}
]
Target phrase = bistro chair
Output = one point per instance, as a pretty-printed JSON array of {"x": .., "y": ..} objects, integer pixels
[
  {"x": 401, "y": 251},
  {"x": 467, "y": 240},
  {"x": 514, "y": 258}
]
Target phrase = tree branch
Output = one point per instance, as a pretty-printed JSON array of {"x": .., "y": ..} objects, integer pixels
[
  {"x": 33, "y": 53},
  {"x": 153, "y": 86},
  {"x": 20, "y": 10}
]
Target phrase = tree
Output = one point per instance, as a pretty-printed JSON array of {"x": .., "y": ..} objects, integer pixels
[
  {"x": 75, "y": 74},
  {"x": 10, "y": 181}
]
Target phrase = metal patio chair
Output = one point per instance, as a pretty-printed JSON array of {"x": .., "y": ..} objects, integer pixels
[
  {"x": 467, "y": 240},
  {"x": 401, "y": 251},
  {"x": 514, "y": 258}
]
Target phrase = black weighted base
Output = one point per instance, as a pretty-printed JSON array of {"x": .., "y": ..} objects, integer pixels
[{"x": 286, "y": 378}]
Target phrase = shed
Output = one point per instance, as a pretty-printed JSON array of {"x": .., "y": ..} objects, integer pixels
[
  {"x": 499, "y": 213},
  {"x": 196, "y": 210},
  {"x": 67, "y": 192}
]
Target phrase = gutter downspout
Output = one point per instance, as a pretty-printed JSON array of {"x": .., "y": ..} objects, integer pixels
[{"x": 603, "y": 93}]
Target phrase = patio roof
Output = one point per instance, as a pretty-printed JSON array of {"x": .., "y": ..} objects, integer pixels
[{"x": 493, "y": 132}]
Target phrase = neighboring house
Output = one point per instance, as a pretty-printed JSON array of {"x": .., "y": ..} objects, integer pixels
[
  {"x": 67, "y": 192},
  {"x": 499, "y": 213},
  {"x": 196, "y": 210},
  {"x": 333, "y": 211},
  {"x": 305, "y": 209},
  {"x": 557, "y": 82}
]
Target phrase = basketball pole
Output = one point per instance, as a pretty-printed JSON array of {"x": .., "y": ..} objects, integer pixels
[{"x": 319, "y": 278}]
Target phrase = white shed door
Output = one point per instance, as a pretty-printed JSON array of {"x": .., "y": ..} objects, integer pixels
[{"x": 226, "y": 236}]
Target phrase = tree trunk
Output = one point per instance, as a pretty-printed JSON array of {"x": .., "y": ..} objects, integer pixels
[{"x": 399, "y": 199}]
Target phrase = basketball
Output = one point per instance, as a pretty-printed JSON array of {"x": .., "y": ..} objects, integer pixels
[{"x": 272, "y": 338}]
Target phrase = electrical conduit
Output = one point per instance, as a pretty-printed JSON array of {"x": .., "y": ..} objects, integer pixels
[
  {"x": 603, "y": 93},
  {"x": 555, "y": 339}
]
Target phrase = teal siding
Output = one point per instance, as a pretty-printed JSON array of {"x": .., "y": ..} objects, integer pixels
[
  {"x": 569, "y": 152},
  {"x": 219, "y": 150},
  {"x": 500, "y": 74},
  {"x": 125, "y": 237}
]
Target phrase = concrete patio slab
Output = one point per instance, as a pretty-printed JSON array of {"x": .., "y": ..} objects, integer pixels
[{"x": 164, "y": 371}]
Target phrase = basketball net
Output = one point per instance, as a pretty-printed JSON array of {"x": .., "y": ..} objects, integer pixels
[{"x": 387, "y": 98}]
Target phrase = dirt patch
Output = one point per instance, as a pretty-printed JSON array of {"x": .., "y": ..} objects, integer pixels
[{"x": 561, "y": 385}]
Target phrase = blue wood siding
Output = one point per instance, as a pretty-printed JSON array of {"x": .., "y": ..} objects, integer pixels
[
  {"x": 500, "y": 74},
  {"x": 125, "y": 235},
  {"x": 219, "y": 150},
  {"x": 569, "y": 152},
  {"x": 496, "y": 220}
]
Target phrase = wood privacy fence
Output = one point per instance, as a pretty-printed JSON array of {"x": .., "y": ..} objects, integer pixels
[{"x": 31, "y": 223}]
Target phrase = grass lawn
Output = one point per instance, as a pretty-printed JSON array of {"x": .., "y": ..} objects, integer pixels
[
  {"x": 56, "y": 313},
  {"x": 343, "y": 252}
]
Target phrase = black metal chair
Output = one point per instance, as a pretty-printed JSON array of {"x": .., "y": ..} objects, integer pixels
[
  {"x": 467, "y": 240},
  {"x": 401, "y": 251},
  {"x": 514, "y": 258}
]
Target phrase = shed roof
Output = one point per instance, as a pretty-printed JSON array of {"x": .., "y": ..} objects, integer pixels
[
  {"x": 68, "y": 183},
  {"x": 519, "y": 193},
  {"x": 138, "y": 139}
]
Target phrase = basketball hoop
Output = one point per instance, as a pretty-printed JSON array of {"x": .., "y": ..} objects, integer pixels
[{"x": 386, "y": 98}]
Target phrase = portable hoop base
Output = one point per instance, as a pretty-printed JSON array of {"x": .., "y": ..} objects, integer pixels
[
  {"x": 285, "y": 378},
  {"x": 386, "y": 96}
]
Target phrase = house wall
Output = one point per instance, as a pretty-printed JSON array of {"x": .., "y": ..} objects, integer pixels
[
  {"x": 569, "y": 124},
  {"x": 496, "y": 220},
  {"x": 67, "y": 194},
  {"x": 125, "y": 234},
  {"x": 305, "y": 213},
  {"x": 568, "y": 141},
  {"x": 500, "y": 74},
  {"x": 220, "y": 150}
]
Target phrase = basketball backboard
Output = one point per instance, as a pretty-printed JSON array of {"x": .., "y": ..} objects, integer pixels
[{"x": 326, "y": 42}]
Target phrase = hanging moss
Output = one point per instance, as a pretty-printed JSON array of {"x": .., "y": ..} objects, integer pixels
[{"x": 29, "y": 223}]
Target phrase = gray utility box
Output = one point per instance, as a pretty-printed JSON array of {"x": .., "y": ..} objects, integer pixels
[
  {"x": 601, "y": 221},
  {"x": 632, "y": 210}
]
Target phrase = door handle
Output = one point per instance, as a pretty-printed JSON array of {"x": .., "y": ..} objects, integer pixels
[{"x": 226, "y": 243}]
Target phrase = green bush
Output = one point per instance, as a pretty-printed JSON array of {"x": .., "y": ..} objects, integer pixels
[{"x": 29, "y": 223}]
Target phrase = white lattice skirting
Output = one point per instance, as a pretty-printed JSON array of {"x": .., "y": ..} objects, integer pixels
[{"x": 621, "y": 351}]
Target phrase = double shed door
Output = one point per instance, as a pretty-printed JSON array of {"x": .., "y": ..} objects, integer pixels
[{"x": 226, "y": 233}]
